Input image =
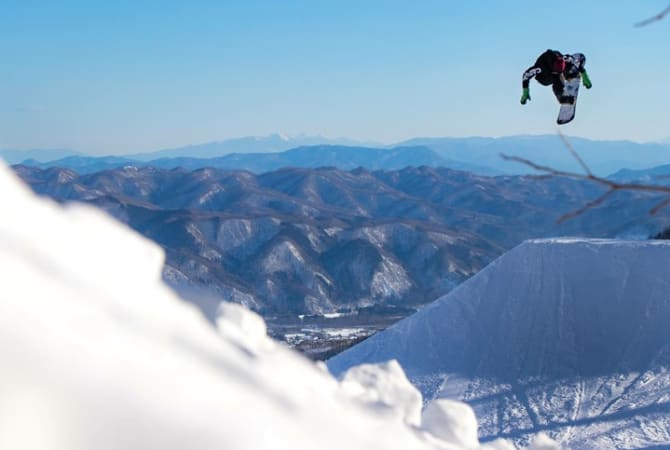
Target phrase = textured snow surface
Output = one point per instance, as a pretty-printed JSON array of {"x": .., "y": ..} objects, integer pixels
[
  {"x": 565, "y": 336},
  {"x": 96, "y": 353}
]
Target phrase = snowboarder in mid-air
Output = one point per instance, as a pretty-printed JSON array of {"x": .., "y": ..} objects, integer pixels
[{"x": 563, "y": 73}]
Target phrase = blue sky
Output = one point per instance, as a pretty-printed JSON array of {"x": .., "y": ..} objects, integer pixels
[{"x": 125, "y": 76}]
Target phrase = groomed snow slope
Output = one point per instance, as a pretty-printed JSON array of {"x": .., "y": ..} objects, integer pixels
[
  {"x": 565, "y": 336},
  {"x": 96, "y": 353}
]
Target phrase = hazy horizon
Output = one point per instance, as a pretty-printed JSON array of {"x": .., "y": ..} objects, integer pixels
[{"x": 326, "y": 141}]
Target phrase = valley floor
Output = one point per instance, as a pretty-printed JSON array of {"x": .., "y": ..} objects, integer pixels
[{"x": 322, "y": 337}]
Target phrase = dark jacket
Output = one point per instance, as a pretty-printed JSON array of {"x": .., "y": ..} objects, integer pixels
[{"x": 542, "y": 69}]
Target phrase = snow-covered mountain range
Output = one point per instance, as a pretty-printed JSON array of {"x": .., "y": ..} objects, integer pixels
[
  {"x": 97, "y": 353},
  {"x": 565, "y": 336},
  {"x": 288, "y": 242},
  {"x": 372, "y": 245},
  {"x": 314, "y": 241}
]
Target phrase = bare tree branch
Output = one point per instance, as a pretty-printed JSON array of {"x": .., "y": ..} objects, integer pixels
[
  {"x": 589, "y": 205},
  {"x": 660, "y": 206},
  {"x": 655, "y": 18},
  {"x": 574, "y": 153},
  {"x": 548, "y": 171},
  {"x": 613, "y": 186},
  {"x": 589, "y": 176}
]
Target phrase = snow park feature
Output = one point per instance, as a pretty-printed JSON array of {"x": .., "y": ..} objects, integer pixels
[
  {"x": 98, "y": 353},
  {"x": 564, "y": 336}
]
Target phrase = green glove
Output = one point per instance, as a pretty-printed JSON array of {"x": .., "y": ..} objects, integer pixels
[
  {"x": 526, "y": 96},
  {"x": 586, "y": 81}
]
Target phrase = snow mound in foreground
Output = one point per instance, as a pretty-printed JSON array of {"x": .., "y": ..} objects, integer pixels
[{"x": 98, "y": 353}]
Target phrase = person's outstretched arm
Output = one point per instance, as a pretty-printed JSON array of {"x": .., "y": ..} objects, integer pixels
[
  {"x": 585, "y": 79},
  {"x": 525, "y": 82}
]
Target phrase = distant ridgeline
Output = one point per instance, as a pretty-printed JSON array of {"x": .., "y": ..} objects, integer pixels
[
  {"x": 476, "y": 155},
  {"x": 315, "y": 241}
]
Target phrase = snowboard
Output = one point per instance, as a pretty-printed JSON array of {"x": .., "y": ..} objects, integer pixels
[{"x": 568, "y": 100}]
